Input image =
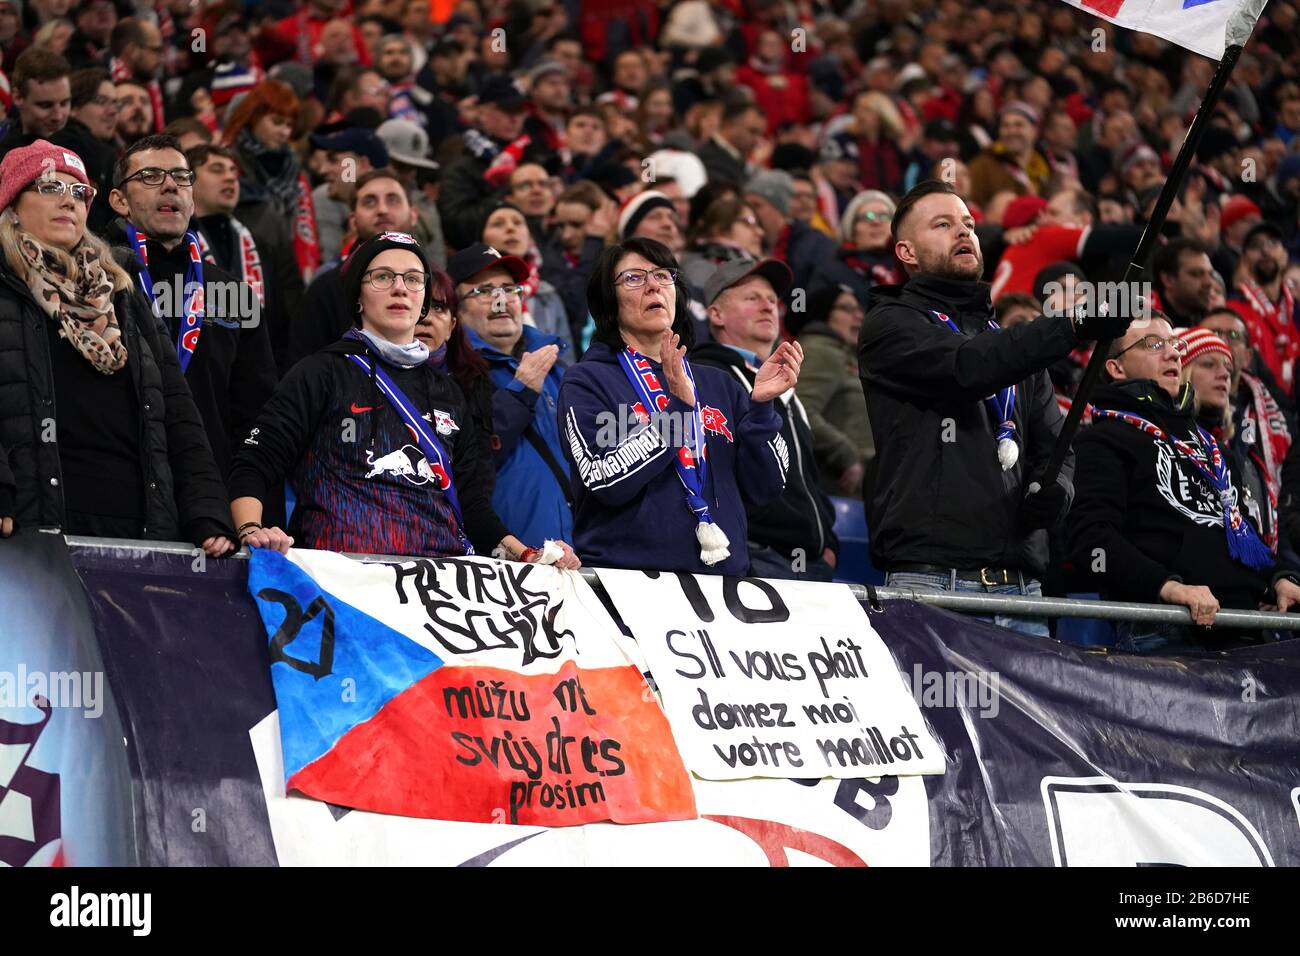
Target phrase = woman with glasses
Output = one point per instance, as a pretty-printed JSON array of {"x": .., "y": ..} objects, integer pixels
[
  {"x": 664, "y": 457},
  {"x": 382, "y": 449},
  {"x": 727, "y": 230},
  {"x": 98, "y": 432},
  {"x": 1159, "y": 512},
  {"x": 865, "y": 257}
]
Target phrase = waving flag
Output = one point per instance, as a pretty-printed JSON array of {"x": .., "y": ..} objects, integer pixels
[
  {"x": 1206, "y": 27},
  {"x": 461, "y": 689}
]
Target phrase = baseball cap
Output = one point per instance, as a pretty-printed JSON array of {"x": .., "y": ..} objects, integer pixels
[
  {"x": 480, "y": 257},
  {"x": 354, "y": 140},
  {"x": 502, "y": 93},
  {"x": 407, "y": 143},
  {"x": 737, "y": 270}
]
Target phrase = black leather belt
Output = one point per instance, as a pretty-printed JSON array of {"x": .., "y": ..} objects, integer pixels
[{"x": 986, "y": 576}]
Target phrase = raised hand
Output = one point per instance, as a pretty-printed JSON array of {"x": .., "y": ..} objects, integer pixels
[
  {"x": 535, "y": 366},
  {"x": 673, "y": 354},
  {"x": 779, "y": 373}
]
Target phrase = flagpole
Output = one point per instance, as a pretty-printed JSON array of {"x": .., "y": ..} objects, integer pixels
[{"x": 1138, "y": 263}]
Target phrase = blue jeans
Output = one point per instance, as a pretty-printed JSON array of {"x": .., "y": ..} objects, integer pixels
[
  {"x": 1139, "y": 637},
  {"x": 765, "y": 562},
  {"x": 921, "y": 581}
]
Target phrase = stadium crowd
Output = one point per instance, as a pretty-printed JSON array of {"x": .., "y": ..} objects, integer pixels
[{"x": 644, "y": 283}]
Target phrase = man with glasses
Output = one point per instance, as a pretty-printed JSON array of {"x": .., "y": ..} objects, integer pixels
[
  {"x": 1159, "y": 512},
  {"x": 213, "y": 320},
  {"x": 1266, "y": 305},
  {"x": 532, "y": 489},
  {"x": 135, "y": 111}
]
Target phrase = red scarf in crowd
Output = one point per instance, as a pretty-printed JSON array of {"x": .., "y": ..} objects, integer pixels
[
  {"x": 1264, "y": 432},
  {"x": 306, "y": 243}
]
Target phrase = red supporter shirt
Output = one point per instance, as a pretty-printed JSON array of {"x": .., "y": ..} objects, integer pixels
[{"x": 1021, "y": 263}]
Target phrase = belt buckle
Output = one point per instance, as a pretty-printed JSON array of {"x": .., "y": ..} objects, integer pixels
[{"x": 984, "y": 578}]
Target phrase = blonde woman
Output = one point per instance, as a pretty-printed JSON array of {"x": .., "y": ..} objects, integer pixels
[{"x": 98, "y": 432}]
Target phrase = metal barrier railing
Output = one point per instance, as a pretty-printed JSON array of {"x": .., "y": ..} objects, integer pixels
[{"x": 964, "y": 601}]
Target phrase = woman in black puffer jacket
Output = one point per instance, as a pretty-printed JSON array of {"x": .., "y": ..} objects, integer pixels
[{"x": 98, "y": 432}]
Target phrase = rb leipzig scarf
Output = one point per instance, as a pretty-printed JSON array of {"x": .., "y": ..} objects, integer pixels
[
  {"x": 692, "y": 458},
  {"x": 1244, "y": 544},
  {"x": 1000, "y": 406},
  {"x": 191, "y": 322}
]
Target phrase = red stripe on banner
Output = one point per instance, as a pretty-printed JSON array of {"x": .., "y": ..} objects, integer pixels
[
  {"x": 486, "y": 745},
  {"x": 775, "y": 838},
  {"x": 1107, "y": 8}
]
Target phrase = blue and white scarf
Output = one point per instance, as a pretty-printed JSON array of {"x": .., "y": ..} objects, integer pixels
[{"x": 1001, "y": 407}]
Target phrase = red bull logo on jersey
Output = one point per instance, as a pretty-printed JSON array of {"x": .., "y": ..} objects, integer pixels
[{"x": 410, "y": 465}]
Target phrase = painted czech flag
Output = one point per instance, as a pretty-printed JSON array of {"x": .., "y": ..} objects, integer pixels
[
  {"x": 462, "y": 689},
  {"x": 1206, "y": 27}
]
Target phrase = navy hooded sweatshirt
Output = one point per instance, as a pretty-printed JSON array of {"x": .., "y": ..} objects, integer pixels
[{"x": 630, "y": 508}]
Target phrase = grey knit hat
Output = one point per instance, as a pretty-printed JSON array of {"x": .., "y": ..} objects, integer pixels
[{"x": 774, "y": 185}]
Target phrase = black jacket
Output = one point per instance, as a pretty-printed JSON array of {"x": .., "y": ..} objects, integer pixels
[
  {"x": 184, "y": 496},
  {"x": 1143, "y": 514},
  {"x": 232, "y": 373},
  {"x": 322, "y": 315},
  {"x": 465, "y": 200},
  {"x": 356, "y": 470},
  {"x": 281, "y": 281},
  {"x": 803, "y": 517},
  {"x": 940, "y": 496},
  {"x": 721, "y": 165},
  {"x": 98, "y": 157}
]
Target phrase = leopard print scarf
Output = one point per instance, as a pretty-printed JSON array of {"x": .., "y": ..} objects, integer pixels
[{"x": 82, "y": 303}]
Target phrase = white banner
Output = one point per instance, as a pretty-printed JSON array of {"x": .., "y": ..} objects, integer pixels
[
  {"x": 773, "y": 678},
  {"x": 1206, "y": 27}
]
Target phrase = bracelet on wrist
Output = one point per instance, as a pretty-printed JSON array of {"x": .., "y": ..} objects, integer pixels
[
  {"x": 247, "y": 528},
  {"x": 528, "y": 554}
]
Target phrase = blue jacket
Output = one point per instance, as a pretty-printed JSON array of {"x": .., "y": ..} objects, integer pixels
[
  {"x": 630, "y": 507},
  {"x": 528, "y": 497}
]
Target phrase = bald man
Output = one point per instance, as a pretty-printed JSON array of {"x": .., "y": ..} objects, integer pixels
[{"x": 962, "y": 414}]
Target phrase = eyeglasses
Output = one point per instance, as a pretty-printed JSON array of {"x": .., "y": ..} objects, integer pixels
[
  {"x": 749, "y": 221},
  {"x": 1154, "y": 343},
  {"x": 383, "y": 279},
  {"x": 153, "y": 176},
  {"x": 1230, "y": 335},
  {"x": 104, "y": 101},
  {"x": 875, "y": 217},
  {"x": 478, "y": 290},
  {"x": 57, "y": 187},
  {"x": 636, "y": 278}
]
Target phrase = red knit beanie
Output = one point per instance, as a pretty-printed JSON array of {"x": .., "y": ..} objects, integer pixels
[
  {"x": 22, "y": 167},
  {"x": 1201, "y": 341}
]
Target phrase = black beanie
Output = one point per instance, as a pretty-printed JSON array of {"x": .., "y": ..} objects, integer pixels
[{"x": 359, "y": 259}]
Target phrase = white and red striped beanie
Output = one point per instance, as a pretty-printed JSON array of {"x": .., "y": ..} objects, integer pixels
[{"x": 1200, "y": 342}]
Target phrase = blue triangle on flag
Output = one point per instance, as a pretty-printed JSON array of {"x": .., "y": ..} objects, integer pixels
[
  {"x": 1188, "y": 4},
  {"x": 333, "y": 666}
]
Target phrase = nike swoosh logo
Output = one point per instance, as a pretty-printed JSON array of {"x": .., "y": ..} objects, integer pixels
[{"x": 358, "y": 410}]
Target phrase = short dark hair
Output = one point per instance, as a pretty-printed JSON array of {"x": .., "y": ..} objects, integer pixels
[
  {"x": 927, "y": 187},
  {"x": 189, "y": 124},
  {"x": 39, "y": 65},
  {"x": 1231, "y": 313},
  {"x": 1015, "y": 300},
  {"x": 156, "y": 141},
  {"x": 736, "y": 109},
  {"x": 602, "y": 295},
  {"x": 129, "y": 30},
  {"x": 85, "y": 84},
  {"x": 368, "y": 177},
  {"x": 199, "y": 155},
  {"x": 447, "y": 48},
  {"x": 1168, "y": 258}
]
